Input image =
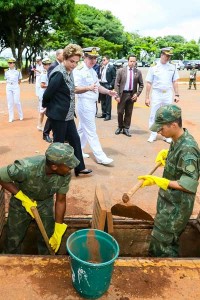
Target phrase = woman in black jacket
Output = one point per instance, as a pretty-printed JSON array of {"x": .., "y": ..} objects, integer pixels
[{"x": 59, "y": 99}]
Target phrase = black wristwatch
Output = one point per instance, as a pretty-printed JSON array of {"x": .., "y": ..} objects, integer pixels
[{"x": 177, "y": 95}]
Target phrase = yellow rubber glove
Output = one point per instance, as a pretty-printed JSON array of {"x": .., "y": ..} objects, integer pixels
[
  {"x": 56, "y": 238},
  {"x": 26, "y": 202},
  {"x": 151, "y": 180},
  {"x": 161, "y": 157}
]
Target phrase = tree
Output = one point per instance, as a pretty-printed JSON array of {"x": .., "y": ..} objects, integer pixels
[
  {"x": 96, "y": 24},
  {"x": 24, "y": 24}
]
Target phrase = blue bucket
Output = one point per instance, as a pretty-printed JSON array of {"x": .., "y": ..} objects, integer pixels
[{"x": 92, "y": 255}]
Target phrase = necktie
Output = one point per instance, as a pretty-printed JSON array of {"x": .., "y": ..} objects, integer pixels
[{"x": 131, "y": 80}]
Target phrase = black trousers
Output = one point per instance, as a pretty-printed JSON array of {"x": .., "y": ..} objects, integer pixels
[
  {"x": 47, "y": 128},
  {"x": 66, "y": 131},
  {"x": 124, "y": 110},
  {"x": 106, "y": 102}
]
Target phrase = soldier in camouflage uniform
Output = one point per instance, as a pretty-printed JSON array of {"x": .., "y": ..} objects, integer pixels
[
  {"x": 33, "y": 181},
  {"x": 179, "y": 183},
  {"x": 193, "y": 75}
]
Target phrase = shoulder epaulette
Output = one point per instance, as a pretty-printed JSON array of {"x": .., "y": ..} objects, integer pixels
[
  {"x": 173, "y": 63},
  {"x": 5, "y": 70},
  {"x": 44, "y": 71},
  {"x": 19, "y": 70},
  {"x": 153, "y": 64}
]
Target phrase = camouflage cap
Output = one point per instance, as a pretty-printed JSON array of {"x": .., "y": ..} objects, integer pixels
[
  {"x": 60, "y": 153},
  {"x": 164, "y": 115}
]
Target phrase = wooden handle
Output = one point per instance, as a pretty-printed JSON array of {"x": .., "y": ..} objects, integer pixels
[
  {"x": 42, "y": 229},
  {"x": 127, "y": 196}
]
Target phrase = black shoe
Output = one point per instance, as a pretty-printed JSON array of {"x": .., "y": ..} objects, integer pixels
[
  {"x": 126, "y": 132},
  {"x": 47, "y": 139},
  {"x": 84, "y": 172},
  {"x": 102, "y": 117},
  {"x": 118, "y": 131},
  {"x": 107, "y": 118}
]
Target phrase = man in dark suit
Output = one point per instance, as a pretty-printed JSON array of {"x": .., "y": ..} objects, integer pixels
[
  {"x": 47, "y": 126},
  {"x": 59, "y": 59},
  {"x": 107, "y": 80},
  {"x": 128, "y": 85}
]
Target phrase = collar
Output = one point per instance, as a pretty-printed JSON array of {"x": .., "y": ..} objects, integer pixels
[{"x": 175, "y": 145}]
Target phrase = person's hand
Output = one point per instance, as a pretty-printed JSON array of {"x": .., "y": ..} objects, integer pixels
[
  {"x": 151, "y": 180},
  {"x": 56, "y": 238},
  {"x": 27, "y": 203},
  {"x": 112, "y": 93},
  {"x": 147, "y": 102},
  {"x": 134, "y": 98},
  {"x": 93, "y": 87},
  {"x": 161, "y": 157},
  {"x": 117, "y": 99}
]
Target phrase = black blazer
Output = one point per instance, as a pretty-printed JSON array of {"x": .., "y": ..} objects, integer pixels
[
  {"x": 110, "y": 77},
  {"x": 56, "y": 97}
]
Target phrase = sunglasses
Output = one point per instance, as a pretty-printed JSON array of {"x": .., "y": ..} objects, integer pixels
[{"x": 11, "y": 63}]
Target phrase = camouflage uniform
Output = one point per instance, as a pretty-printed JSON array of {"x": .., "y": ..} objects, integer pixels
[
  {"x": 193, "y": 74},
  {"x": 174, "y": 207},
  {"x": 29, "y": 175}
]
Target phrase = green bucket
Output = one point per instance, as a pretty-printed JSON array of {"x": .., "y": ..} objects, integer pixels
[{"x": 92, "y": 255}]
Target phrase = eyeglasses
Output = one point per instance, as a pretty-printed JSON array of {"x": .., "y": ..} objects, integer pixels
[{"x": 11, "y": 63}]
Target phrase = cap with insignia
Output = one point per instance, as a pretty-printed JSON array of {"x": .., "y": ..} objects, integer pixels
[
  {"x": 91, "y": 51},
  {"x": 38, "y": 58},
  {"x": 60, "y": 153},
  {"x": 46, "y": 61},
  {"x": 11, "y": 60},
  {"x": 165, "y": 115},
  {"x": 167, "y": 50}
]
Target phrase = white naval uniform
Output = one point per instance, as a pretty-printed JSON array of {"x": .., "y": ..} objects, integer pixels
[
  {"x": 161, "y": 76},
  {"x": 13, "y": 92},
  {"x": 86, "y": 108},
  {"x": 43, "y": 78},
  {"x": 37, "y": 78}
]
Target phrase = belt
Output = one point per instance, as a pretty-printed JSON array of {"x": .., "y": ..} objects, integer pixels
[{"x": 127, "y": 91}]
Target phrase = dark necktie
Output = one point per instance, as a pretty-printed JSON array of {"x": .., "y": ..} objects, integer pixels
[{"x": 131, "y": 79}]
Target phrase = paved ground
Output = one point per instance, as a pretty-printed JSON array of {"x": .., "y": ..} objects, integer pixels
[{"x": 132, "y": 156}]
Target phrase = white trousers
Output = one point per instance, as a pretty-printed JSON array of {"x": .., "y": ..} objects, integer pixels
[
  {"x": 13, "y": 98},
  {"x": 87, "y": 128},
  {"x": 37, "y": 86},
  {"x": 158, "y": 99}
]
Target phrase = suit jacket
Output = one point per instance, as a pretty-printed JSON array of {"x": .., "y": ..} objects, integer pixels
[
  {"x": 52, "y": 66},
  {"x": 110, "y": 76},
  {"x": 120, "y": 81}
]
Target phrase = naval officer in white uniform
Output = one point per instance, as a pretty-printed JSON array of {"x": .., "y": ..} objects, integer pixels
[
  {"x": 162, "y": 78},
  {"x": 87, "y": 87},
  {"x": 13, "y": 78}
]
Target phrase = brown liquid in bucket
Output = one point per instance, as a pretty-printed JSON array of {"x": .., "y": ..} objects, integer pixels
[{"x": 93, "y": 247}]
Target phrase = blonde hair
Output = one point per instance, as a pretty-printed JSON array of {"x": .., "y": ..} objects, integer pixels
[{"x": 71, "y": 50}]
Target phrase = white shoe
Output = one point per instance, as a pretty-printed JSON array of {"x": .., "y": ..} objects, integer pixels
[
  {"x": 167, "y": 140},
  {"x": 39, "y": 127},
  {"x": 10, "y": 120},
  {"x": 151, "y": 139},
  {"x": 106, "y": 161},
  {"x": 21, "y": 119},
  {"x": 85, "y": 155}
]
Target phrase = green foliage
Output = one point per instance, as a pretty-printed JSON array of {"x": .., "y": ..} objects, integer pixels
[{"x": 24, "y": 24}]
